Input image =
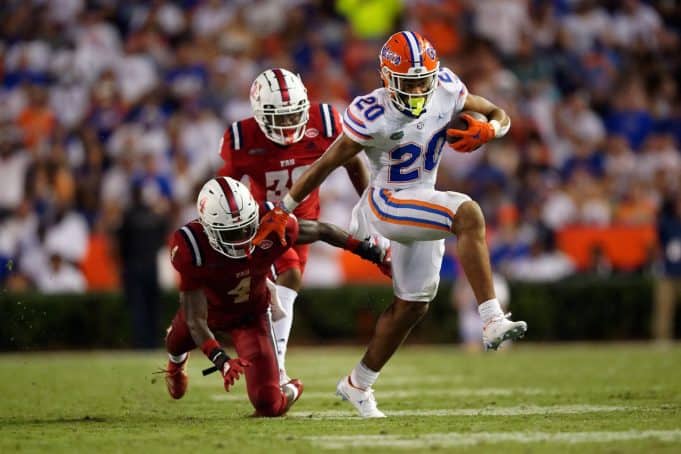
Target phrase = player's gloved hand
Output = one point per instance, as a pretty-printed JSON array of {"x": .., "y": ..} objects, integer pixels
[
  {"x": 273, "y": 221},
  {"x": 232, "y": 370},
  {"x": 477, "y": 134},
  {"x": 372, "y": 251}
]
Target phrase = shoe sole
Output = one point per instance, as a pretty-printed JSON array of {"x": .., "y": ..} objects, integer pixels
[{"x": 512, "y": 334}]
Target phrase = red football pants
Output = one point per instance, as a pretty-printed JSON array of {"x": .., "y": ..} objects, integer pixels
[{"x": 254, "y": 342}]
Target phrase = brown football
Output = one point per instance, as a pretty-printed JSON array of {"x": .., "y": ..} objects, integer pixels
[{"x": 459, "y": 123}]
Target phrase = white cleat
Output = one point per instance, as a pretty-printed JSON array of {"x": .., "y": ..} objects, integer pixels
[
  {"x": 501, "y": 329},
  {"x": 362, "y": 400}
]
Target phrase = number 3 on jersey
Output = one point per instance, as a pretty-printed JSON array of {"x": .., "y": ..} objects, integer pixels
[
  {"x": 278, "y": 182},
  {"x": 405, "y": 165}
]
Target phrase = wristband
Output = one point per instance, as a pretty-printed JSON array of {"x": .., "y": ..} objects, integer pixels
[
  {"x": 288, "y": 204},
  {"x": 499, "y": 131},
  {"x": 208, "y": 346}
]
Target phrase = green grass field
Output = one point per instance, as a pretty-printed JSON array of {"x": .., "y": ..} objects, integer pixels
[{"x": 532, "y": 398}]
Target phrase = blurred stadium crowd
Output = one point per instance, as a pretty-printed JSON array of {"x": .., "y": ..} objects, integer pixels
[{"x": 102, "y": 97}]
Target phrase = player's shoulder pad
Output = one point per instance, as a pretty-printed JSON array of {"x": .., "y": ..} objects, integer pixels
[
  {"x": 185, "y": 249},
  {"x": 237, "y": 133},
  {"x": 362, "y": 118},
  {"x": 329, "y": 119},
  {"x": 451, "y": 83}
]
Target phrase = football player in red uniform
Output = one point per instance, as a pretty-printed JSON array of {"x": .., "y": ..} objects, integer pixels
[
  {"x": 273, "y": 148},
  {"x": 224, "y": 290}
]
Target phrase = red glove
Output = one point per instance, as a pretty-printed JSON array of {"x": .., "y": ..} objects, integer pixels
[
  {"x": 386, "y": 265},
  {"x": 273, "y": 221},
  {"x": 371, "y": 250},
  {"x": 232, "y": 370},
  {"x": 477, "y": 134}
]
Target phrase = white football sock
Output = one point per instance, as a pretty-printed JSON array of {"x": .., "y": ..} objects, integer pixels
[
  {"x": 179, "y": 359},
  {"x": 362, "y": 377},
  {"x": 282, "y": 327},
  {"x": 490, "y": 310}
]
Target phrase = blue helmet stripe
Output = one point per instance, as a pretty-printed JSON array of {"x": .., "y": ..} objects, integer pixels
[{"x": 413, "y": 48}]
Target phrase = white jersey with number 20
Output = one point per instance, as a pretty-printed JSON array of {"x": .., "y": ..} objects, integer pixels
[{"x": 404, "y": 151}]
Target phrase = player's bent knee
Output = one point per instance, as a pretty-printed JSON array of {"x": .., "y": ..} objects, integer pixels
[
  {"x": 469, "y": 217},
  {"x": 413, "y": 310},
  {"x": 269, "y": 401}
]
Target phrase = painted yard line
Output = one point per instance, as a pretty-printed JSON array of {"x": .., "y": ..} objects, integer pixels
[
  {"x": 521, "y": 410},
  {"x": 460, "y": 392},
  {"x": 454, "y": 439},
  {"x": 331, "y": 380}
]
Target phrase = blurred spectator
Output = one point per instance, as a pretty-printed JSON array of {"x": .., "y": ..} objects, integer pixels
[
  {"x": 60, "y": 276},
  {"x": 97, "y": 96},
  {"x": 543, "y": 264},
  {"x": 668, "y": 284},
  {"x": 141, "y": 234},
  {"x": 371, "y": 19}
]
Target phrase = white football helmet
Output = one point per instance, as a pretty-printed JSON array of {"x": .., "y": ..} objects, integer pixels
[
  {"x": 280, "y": 105},
  {"x": 229, "y": 216}
]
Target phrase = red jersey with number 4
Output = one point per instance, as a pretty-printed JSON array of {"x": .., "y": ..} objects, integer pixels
[
  {"x": 234, "y": 288},
  {"x": 272, "y": 168}
]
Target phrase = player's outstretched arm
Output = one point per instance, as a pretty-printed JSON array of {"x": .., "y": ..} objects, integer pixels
[
  {"x": 311, "y": 231},
  {"x": 195, "y": 308},
  {"x": 358, "y": 173},
  {"x": 341, "y": 151}
]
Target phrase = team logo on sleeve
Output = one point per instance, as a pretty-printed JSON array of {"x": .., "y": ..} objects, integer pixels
[
  {"x": 311, "y": 133},
  {"x": 397, "y": 135}
]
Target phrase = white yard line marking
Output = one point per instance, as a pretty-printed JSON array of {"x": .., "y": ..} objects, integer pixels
[
  {"x": 453, "y": 439},
  {"x": 396, "y": 394},
  {"x": 521, "y": 410},
  {"x": 327, "y": 381}
]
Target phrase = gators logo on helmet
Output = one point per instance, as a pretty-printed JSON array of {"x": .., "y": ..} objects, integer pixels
[{"x": 409, "y": 67}]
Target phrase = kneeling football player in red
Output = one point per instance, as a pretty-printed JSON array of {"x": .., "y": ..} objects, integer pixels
[{"x": 224, "y": 291}]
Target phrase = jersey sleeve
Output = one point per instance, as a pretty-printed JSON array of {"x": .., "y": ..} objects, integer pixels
[
  {"x": 358, "y": 120},
  {"x": 183, "y": 261},
  {"x": 228, "y": 153},
  {"x": 453, "y": 85},
  {"x": 331, "y": 121}
]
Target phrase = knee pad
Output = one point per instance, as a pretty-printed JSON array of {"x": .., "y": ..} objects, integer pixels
[{"x": 269, "y": 401}]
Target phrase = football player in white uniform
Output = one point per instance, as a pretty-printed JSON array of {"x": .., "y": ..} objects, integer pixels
[{"x": 402, "y": 128}]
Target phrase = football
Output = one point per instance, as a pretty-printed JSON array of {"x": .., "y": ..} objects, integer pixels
[{"x": 459, "y": 123}]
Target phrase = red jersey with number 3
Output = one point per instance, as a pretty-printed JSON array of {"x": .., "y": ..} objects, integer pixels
[
  {"x": 234, "y": 288},
  {"x": 272, "y": 168}
]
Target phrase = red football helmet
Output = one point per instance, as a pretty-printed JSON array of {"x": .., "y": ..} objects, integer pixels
[{"x": 409, "y": 67}]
